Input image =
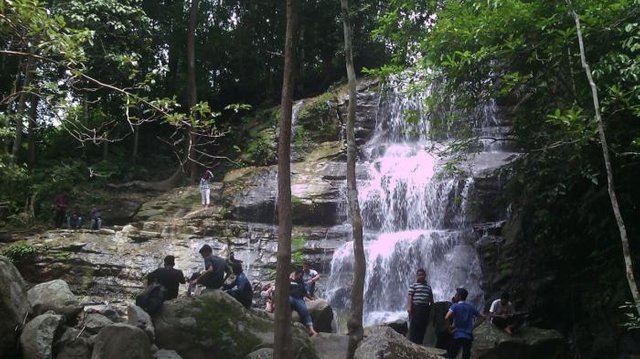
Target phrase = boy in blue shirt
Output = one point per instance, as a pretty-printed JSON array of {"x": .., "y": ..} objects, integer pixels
[{"x": 462, "y": 314}]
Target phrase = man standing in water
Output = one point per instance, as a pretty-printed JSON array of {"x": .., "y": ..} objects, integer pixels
[{"x": 419, "y": 303}]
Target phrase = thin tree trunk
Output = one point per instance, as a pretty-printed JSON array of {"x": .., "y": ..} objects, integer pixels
[
  {"x": 192, "y": 96},
  {"x": 626, "y": 252},
  {"x": 354, "y": 325},
  {"x": 282, "y": 342},
  {"x": 33, "y": 117},
  {"x": 136, "y": 144},
  {"x": 105, "y": 150},
  {"x": 21, "y": 110}
]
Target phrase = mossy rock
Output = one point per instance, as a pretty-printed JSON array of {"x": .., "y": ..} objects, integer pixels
[{"x": 214, "y": 325}]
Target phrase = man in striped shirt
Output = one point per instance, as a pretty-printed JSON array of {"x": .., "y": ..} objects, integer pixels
[{"x": 419, "y": 303}]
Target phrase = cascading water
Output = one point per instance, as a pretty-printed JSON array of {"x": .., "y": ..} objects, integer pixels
[{"x": 413, "y": 215}]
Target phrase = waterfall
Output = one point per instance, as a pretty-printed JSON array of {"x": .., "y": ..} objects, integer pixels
[{"x": 414, "y": 215}]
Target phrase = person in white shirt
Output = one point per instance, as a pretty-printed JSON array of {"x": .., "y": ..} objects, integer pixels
[
  {"x": 310, "y": 277},
  {"x": 503, "y": 314}
]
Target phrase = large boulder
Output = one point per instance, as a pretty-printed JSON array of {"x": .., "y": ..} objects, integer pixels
[
  {"x": 13, "y": 305},
  {"x": 330, "y": 346},
  {"x": 137, "y": 317},
  {"x": 321, "y": 313},
  {"x": 73, "y": 344},
  {"x": 214, "y": 325},
  {"x": 385, "y": 343},
  {"x": 121, "y": 341},
  {"x": 528, "y": 343},
  {"x": 93, "y": 323},
  {"x": 36, "y": 340},
  {"x": 54, "y": 295}
]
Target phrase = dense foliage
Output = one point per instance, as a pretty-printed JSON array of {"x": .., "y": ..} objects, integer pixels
[
  {"x": 83, "y": 99},
  {"x": 525, "y": 55},
  {"x": 89, "y": 86}
]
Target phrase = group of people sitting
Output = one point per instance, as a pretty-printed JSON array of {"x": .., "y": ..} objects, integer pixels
[
  {"x": 218, "y": 274},
  {"x": 73, "y": 219}
]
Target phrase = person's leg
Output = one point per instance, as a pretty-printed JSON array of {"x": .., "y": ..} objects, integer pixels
[
  {"x": 207, "y": 197},
  {"x": 454, "y": 348},
  {"x": 466, "y": 348},
  {"x": 418, "y": 325},
  {"x": 312, "y": 289},
  {"x": 299, "y": 306},
  {"x": 202, "y": 195}
]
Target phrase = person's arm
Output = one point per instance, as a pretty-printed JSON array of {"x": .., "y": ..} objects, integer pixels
[
  {"x": 181, "y": 278},
  {"x": 410, "y": 299},
  {"x": 430, "y": 297},
  {"x": 230, "y": 286},
  {"x": 314, "y": 278},
  {"x": 449, "y": 315}
]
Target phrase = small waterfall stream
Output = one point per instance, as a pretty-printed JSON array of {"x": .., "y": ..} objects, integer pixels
[{"x": 414, "y": 215}]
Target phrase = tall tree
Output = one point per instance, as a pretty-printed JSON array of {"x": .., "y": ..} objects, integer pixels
[
  {"x": 282, "y": 331},
  {"x": 192, "y": 95},
  {"x": 354, "y": 325},
  {"x": 626, "y": 252},
  {"x": 22, "y": 108}
]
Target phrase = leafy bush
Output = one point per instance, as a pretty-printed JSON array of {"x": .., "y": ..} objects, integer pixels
[
  {"x": 632, "y": 319},
  {"x": 297, "y": 250},
  {"x": 19, "y": 251}
]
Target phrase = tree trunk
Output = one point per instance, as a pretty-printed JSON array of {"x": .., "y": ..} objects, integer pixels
[
  {"x": 33, "y": 117},
  {"x": 105, "y": 150},
  {"x": 282, "y": 327},
  {"x": 626, "y": 252},
  {"x": 354, "y": 325},
  {"x": 21, "y": 110},
  {"x": 192, "y": 96},
  {"x": 136, "y": 144}
]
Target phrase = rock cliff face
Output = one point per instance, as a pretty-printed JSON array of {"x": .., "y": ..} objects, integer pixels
[{"x": 112, "y": 262}]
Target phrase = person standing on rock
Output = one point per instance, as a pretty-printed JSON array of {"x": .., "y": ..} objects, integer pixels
[
  {"x": 419, "y": 302},
  {"x": 168, "y": 277},
  {"x": 462, "y": 314},
  {"x": 214, "y": 274},
  {"x": 60, "y": 209},
  {"x": 205, "y": 191}
]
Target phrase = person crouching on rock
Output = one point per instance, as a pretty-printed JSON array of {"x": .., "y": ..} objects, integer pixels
[
  {"x": 297, "y": 292},
  {"x": 240, "y": 288},
  {"x": 214, "y": 274},
  {"x": 169, "y": 277}
]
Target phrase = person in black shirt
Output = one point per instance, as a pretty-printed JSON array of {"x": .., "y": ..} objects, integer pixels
[
  {"x": 215, "y": 273},
  {"x": 168, "y": 277},
  {"x": 297, "y": 293}
]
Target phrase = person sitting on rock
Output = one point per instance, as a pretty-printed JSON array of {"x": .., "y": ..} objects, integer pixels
[
  {"x": 96, "y": 218},
  {"x": 74, "y": 221},
  {"x": 503, "y": 314},
  {"x": 267, "y": 294},
  {"x": 214, "y": 274},
  {"x": 297, "y": 293},
  {"x": 310, "y": 277},
  {"x": 168, "y": 277},
  {"x": 241, "y": 288}
]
